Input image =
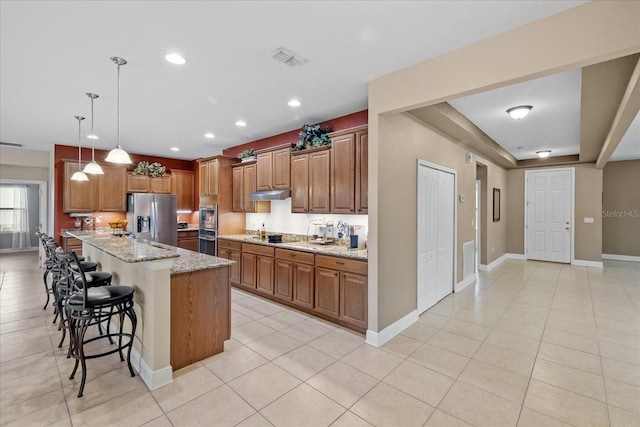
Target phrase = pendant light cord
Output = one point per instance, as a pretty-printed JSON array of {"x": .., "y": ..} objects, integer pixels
[
  {"x": 79, "y": 139},
  {"x": 93, "y": 136},
  {"x": 118, "y": 104}
]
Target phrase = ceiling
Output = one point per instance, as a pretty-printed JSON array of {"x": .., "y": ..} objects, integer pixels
[{"x": 52, "y": 52}]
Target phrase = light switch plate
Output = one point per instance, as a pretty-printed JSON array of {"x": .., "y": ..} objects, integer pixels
[{"x": 588, "y": 220}]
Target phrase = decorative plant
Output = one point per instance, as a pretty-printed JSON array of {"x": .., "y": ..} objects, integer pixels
[
  {"x": 247, "y": 153},
  {"x": 313, "y": 136},
  {"x": 153, "y": 170}
]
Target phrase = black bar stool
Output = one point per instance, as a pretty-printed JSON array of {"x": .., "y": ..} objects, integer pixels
[{"x": 94, "y": 305}]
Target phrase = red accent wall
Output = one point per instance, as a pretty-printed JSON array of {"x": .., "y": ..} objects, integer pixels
[
  {"x": 345, "y": 122},
  {"x": 62, "y": 220}
]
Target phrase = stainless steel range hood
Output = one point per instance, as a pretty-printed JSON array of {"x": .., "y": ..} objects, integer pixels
[{"x": 257, "y": 196}]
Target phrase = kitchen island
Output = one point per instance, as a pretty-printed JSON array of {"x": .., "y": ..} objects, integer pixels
[{"x": 182, "y": 300}]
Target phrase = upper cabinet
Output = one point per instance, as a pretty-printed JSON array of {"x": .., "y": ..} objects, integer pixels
[
  {"x": 310, "y": 177},
  {"x": 182, "y": 185},
  {"x": 209, "y": 177},
  {"x": 349, "y": 169},
  {"x": 79, "y": 196},
  {"x": 146, "y": 184},
  {"x": 112, "y": 189},
  {"x": 273, "y": 169},
  {"x": 243, "y": 184}
]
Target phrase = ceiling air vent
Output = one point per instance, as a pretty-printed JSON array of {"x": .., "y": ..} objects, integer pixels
[
  {"x": 11, "y": 144},
  {"x": 288, "y": 57}
]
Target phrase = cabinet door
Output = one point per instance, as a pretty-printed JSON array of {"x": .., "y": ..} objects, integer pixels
[
  {"x": 353, "y": 299},
  {"x": 161, "y": 185},
  {"x": 234, "y": 271},
  {"x": 248, "y": 270},
  {"x": 264, "y": 172},
  {"x": 79, "y": 196},
  {"x": 203, "y": 178},
  {"x": 327, "y": 292},
  {"x": 213, "y": 178},
  {"x": 362, "y": 172},
  {"x": 264, "y": 280},
  {"x": 281, "y": 169},
  {"x": 189, "y": 243},
  {"x": 249, "y": 186},
  {"x": 237, "y": 204},
  {"x": 319, "y": 182},
  {"x": 300, "y": 183},
  {"x": 112, "y": 189},
  {"x": 303, "y": 285},
  {"x": 137, "y": 183},
  {"x": 343, "y": 174},
  {"x": 182, "y": 187},
  {"x": 283, "y": 279}
]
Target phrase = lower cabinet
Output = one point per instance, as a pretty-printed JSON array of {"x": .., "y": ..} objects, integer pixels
[
  {"x": 231, "y": 251},
  {"x": 248, "y": 270},
  {"x": 303, "y": 285},
  {"x": 264, "y": 281},
  {"x": 257, "y": 267},
  {"x": 327, "y": 295},
  {"x": 188, "y": 240},
  {"x": 70, "y": 244}
]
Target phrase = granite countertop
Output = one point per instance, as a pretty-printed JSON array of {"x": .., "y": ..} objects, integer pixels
[
  {"x": 131, "y": 250},
  {"x": 333, "y": 250}
]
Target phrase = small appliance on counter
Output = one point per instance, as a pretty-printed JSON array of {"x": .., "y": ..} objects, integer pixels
[
  {"x": 323, "y": 232},
  {"x": 182, "y": 225},
  {"x": 357, "y": 237}
]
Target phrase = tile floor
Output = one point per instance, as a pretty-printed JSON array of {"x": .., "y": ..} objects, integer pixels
[{"x": 532, "y": 344}]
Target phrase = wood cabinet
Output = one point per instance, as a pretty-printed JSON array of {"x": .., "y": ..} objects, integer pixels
[
  {"x": 188, "y": 240},
  {"x": 342, "y": 289},
  {"x": 273, "y": 170},
  {"x": 209, "y": 177},
  {"x": 294, "y": 277},
  {"x": 248, "y": 267},
  {"x": 257, "y": 267},
  {"x": 264, "y": 280},
  {"x": 310, "y": 177},
  {"x": 146, "y": 184},
  {"x": 243, "y": 184},
  {"x": 112, "y": 194},
  {"x": 349, "y": 171},
  {"x": 182, "y": 185},
  {"x": 232, "y": 251},
  {"x": 72, "y": 244},
  {"x": 79, "y": 196}
]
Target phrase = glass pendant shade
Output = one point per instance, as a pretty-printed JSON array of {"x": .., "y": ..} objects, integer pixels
[
  {"x": 79, "y": 175},
  {"x": 92, "y": 167},
  {"x": 118, "y": 155}
]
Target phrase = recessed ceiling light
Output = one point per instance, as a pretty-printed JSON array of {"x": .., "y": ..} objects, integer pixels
[
  {"x": 519, "y": 112},
  {"x": 174, "y": 58},
  {"x": 93, "y": 137},
  {"x": 241, "y": 123},
  {"x": 293, "y": 103},
  {"x": 543, "y": 153},
  {"x": 175, "y": 149},
  {"x": 209, "y": 135}
]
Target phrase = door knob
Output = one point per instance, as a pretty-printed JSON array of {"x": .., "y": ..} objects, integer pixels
[{"x": 567, "y": 228}]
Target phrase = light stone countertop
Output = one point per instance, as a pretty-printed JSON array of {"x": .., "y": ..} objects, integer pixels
[
  {"x": 131, "y": 250},
  {"x": 332, "y": 250}
]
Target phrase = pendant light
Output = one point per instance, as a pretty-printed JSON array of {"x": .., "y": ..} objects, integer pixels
[
  {"x": 79, "y": 175},
  {"x": 92, "y": 167},
  {"x": 118, "y": 155}
]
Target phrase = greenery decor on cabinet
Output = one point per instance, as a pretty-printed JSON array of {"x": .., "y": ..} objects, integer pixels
[
  {"x": 313, "y": 136},
  {"x": 247, "y": 155},
  {"x": 154, "y": 170}
]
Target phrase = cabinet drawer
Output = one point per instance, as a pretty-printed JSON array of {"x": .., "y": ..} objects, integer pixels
[
  {"x": 186, "y": 234},
  {"x": 229, "y": 244},
  {"x": 342, "y": 264},
  {"x": 297, "y": 256},
  {"x": 257, "y": 249}
]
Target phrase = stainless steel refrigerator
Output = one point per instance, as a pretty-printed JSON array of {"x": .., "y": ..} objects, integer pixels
[{"x": 153, "y": 217}]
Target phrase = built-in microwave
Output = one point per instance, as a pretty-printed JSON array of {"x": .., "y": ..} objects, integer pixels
[{"x": 209, "y": 217}]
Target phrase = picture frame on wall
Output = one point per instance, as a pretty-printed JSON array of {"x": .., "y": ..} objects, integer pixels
[{"x": 496, "y": 204}]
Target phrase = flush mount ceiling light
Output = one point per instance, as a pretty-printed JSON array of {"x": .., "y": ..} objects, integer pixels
[
  {"x": 241, "y": 123},
  {"x": 293, "y": 103},
  {"x": 287, "y": 57},
  {"x": 175, "y": 149},
  {"x": 92, "y": 136},
  {"x": 118, "y": 155},
  {"x": 79, "y": 175},
  {"x": 174, "y": 58},
  {"x": 519, "y": 112},
  {"x": 92, "y": 167},
  {"x": 543, "y": 153},
  {"x": 209, "y": 135}
]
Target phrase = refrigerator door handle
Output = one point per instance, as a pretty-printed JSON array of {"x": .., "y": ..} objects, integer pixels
[{"x": 154, "y": 217}]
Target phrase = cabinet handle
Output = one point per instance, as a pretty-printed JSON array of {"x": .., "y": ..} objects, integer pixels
[
  {"x": 339, "y": 262},
  {"x": 335, "y": 274},
  {"x": 293, "y": 255}
]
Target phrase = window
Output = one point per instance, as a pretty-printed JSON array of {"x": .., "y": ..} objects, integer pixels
[{"x": 9, "y": 211}]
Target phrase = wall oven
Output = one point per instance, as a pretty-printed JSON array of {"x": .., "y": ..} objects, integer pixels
[
  {"x": 208, "y": 234},
  {"x": 208, "y": 217},
  {"x": 208, "y": 242}
]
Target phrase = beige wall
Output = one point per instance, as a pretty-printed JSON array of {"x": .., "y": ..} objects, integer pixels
[
  {"x": 588, "y": 204},
  {"x": 495, "y": 243},
  {"x": 581, "y": 36},
  {"x": 621, "y": 208}
]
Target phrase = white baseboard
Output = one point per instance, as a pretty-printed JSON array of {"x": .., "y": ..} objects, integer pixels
[
  {"x": 621, "y": 257},
  {"x": 493, "y": 265},
  {"x": 516, "y": 256},
  {"x": 153, "y": 379},
  {"x": 584, "y": 263},
  {"x": 9, "y": 250},
  {"x": 377, "y": 339},
  {"x": 469, "y": 280}
]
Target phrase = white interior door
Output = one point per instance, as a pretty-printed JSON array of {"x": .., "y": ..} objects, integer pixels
[
  {"x": 549, "y": 196},
  {"x": 436, "y": 202}
]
